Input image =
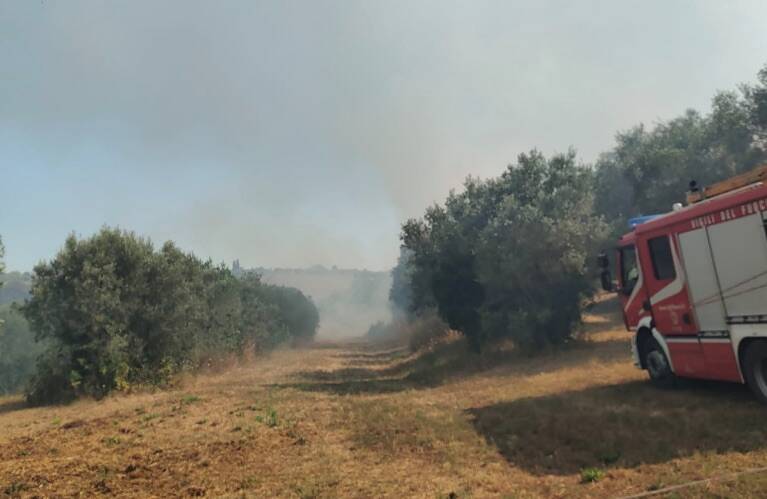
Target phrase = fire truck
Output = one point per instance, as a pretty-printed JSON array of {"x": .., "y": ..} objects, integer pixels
[{"x": 693, "y": 285}]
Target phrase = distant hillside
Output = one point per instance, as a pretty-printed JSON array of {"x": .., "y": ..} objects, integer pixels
[
  {"x": 15, "y": 287},
  {"x": 349, "y": 300}
]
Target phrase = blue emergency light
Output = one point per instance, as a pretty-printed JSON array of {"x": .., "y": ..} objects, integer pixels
[{"x": 633, "y": 222}]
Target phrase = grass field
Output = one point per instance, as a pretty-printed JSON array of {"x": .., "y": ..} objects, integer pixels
[{"x": 355, "y": 420}]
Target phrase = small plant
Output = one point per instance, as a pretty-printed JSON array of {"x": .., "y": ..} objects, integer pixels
[
  {"x": 271, "y": 418},
  {"x": 56, "y": 421},
  {"x": 249, "y": 482},
  {"x": 189, "y": 399},
  {"x": 111, "y": 441},
  {"x": 148, "y": 417},
  {"x": 15, "y": 489},
  {"x": 591, "y": 475},
  {"x": 103, "y": 472},
  {"x": 307, "y": 490}
]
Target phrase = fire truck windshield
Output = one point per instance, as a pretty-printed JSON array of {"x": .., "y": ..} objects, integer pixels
[{"x": 629, "y": 269}]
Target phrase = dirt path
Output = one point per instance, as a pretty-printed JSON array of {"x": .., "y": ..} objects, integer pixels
[{"x": 354, "y": 420}]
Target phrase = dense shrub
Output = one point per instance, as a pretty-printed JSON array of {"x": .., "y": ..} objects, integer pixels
[
  {"x": 507, "y": 257},
  {"x": 417, "y": 333},
  {"x": 298, "y": 313},
  {"x": 115, "y": 312},
  {"x": 425, "y": 331}
]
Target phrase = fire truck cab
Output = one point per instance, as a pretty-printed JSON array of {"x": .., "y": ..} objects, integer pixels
[{"x": 693, "y": 286}]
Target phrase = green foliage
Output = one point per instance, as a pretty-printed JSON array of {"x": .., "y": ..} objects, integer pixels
[
  {"x": 298, "y": 313},
  {"x": 649, "y": 169},
  {"x": 507, "y": 256},
  {"x": 756, "y": 102},
  {"x": 533, "y": 254},
  {"x": 18, "y": 350},
  {"x": 15, "y": 489},
  {"x": 115, "y": 313},
  {"x": 400, "y": 294},
  {"x": 270, "y": 418},
  {"x": 590, "y": 475},
  {"x": 189, "y": 399},
  {"x": 425, "y": 331}
]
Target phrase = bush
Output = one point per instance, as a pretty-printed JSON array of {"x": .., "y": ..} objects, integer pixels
[
  {"x": 118, "y": 313},
  {"x": 418, "y": 333},
  {"x": 507, "y": 258},
  {"x": 297, "y": 312},
  {"x": 426, "y": 330}
]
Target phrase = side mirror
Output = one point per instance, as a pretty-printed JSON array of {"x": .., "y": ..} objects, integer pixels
[{"x": 607, "y": 280}]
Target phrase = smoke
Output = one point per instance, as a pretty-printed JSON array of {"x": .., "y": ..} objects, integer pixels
[
  {"x": 349, "y": 301},
  {"x": 289, "y": 133}
]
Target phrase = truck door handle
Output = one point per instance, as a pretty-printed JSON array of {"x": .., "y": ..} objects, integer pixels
[{"x": 646, "y": 305}]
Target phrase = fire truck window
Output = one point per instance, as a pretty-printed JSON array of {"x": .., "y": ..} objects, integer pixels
[
  {"x": 629, "y": 270},
  {"x": 662, "y": 261}
]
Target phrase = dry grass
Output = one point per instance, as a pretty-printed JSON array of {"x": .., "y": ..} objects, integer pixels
[{"x": 348, "y": 420}]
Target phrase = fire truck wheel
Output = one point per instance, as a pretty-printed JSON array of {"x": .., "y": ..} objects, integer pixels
[
  {"x": 755, "y": 369},
  {"x": 658, "y": 366}
]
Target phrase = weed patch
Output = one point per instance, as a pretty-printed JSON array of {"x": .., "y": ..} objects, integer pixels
[
  {"x": 189, "y": 399},
  {"x": 589, "y": 475},
  {"x": 111, "y": 441},
  {"x": 15, "y": 489}
]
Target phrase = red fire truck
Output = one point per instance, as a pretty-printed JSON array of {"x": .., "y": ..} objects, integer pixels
[{"x": 693, "y": 286}]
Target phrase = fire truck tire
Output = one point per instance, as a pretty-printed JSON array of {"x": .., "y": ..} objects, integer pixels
[
  {"x": 755, "y": 369},
  {"x": 658, "y": 366}
]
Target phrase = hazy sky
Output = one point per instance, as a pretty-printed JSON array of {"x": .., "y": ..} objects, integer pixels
[{"x": 291, "y": 133}]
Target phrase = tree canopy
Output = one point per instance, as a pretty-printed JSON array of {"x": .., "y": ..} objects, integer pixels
[
  {"x": 508, "y": 256},
  {"x": 116, "y": 312}
]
